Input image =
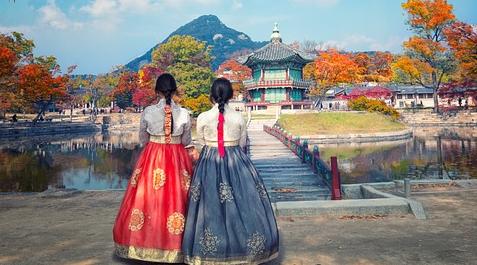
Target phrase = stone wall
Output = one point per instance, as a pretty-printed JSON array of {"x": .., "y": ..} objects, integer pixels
[
  {"x": 426, "y": 118},
  {"x": 22, "y": 129}
]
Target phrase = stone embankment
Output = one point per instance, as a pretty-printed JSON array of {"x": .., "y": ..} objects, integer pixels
[
  {"x": 426, "y": 118},
  {"x": 22, "y": 129}
]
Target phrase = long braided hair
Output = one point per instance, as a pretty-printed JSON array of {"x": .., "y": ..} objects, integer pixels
[
  {"x": 220, "y": 93},
  {"x": 166, "y": 85}
]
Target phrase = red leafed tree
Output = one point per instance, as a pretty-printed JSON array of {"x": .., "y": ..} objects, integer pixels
[
  {"x": 333, "y": 68},
  {"x": 234, "y": 71},
  {"x": 8, "y": 62},
  {"x": 144, "y": 95},
  {"x": 39, "y": 87},
  {"x": 123, "y": 92},
  {"x": 462, "y": 38}
]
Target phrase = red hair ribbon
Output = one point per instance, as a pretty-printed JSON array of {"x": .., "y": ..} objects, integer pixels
[
  {"x": 220, "y": 135},
  {"x": 168, "y": 123}
]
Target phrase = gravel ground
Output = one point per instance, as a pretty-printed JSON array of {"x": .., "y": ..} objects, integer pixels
[{"x": 77, "y": 230}]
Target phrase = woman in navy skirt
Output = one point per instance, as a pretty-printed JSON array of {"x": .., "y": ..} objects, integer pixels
[{"x": 230, "y": 219}]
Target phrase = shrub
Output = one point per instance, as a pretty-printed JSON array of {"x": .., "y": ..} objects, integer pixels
[
  {"x": 373, "y": 105},
  {"x": 197, "y": 105}
]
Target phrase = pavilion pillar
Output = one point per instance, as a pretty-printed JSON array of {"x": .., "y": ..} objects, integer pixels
[{"x": 262, "y": 96}]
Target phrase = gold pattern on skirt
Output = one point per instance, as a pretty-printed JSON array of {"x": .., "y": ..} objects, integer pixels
[
  {"x": 149, "y": 254},
  {"x": 185, "y": 180},
  {"x": 135, "y": 177},
  {"x": 175, "y": 223},
  {"x": 159, "y": 178},
  {"x": 197, "y": 260},
  {"x": 137, "y": 220}
]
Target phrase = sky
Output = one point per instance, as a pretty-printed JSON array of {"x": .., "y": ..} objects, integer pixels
[{"x": 97, "y": 35}]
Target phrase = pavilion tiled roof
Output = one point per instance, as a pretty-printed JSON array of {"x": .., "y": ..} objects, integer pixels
[{"x": 276, "y": 51}]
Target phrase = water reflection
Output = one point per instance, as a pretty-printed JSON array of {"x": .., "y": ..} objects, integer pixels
[
  {"x": 84, "y": 162},
  {"x": 431, "y": 153},
  {"x": 102, "y": 161}
]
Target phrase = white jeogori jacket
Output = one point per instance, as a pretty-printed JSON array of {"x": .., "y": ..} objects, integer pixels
[
  {"x": 152, "y": 123},
  {"x": 235, "y": 131}
]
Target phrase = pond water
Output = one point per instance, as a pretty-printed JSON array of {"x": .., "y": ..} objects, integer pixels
[{"x": 105, "y": 161}]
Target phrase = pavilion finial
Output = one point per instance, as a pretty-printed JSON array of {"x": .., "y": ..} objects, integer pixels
[{"x": 276, "y": 37}]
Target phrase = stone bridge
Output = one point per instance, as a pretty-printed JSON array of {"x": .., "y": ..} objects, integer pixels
[{"x": 285, "y": 176}]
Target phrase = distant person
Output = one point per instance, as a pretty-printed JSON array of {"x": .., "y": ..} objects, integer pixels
[
  {"x": 84, "y": 112},
  {"x": 151, "y": 219},
  {"x": 14, "y": 118},
  {"x": 460, "y": 102},
  {"x": 466, "y": 103},
  {"x": 230, "y": 218}
]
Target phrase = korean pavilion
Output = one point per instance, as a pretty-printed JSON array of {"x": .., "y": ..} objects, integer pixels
[{"x": 277, "y": 76}]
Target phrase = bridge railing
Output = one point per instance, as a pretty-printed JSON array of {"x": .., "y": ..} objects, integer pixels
[{"x": 329, "y": 173}]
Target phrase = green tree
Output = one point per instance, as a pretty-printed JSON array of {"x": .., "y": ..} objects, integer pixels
[{"x": 189, "y": 61}]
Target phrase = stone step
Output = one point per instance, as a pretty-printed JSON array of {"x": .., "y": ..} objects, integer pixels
[
  {"x": 288, "y": 177},
  {"x": 288, "y": 183},
  {"x": 295, "y": 189},
  {"x": 284, "y": 170},
  {"x": 298, "y": 196},
  {"x": 280, "y": 166}
]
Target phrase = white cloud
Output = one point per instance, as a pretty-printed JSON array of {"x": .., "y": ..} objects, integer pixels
[
  {"x": 22, "y": 29},
  {"x": 52, "y": 16},
  {"x": 321, "y": 3},
  {"x": 237, "y": 4}
]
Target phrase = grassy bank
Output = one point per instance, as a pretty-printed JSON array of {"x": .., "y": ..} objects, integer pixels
[{"x": 338, "y": 123}]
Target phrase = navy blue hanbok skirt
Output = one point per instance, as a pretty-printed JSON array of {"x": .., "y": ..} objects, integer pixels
[{"x": 230, "y": 218}]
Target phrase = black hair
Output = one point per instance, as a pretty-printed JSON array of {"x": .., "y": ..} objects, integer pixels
[
  {"x": 166, "y": 84},
  {"x": 221, "y": 92}
]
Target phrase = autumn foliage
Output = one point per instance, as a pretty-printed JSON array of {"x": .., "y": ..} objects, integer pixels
[
  {"x": 332, "y": 68},
  {"x": 462, "y": 39},
  {"x": 372, "y": 105},
  {"x": 234, "y": 71},
  {"x": 427, "y": 60}
]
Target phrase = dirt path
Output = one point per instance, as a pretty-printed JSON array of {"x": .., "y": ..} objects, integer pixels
[{"x": 77, "y": 230}]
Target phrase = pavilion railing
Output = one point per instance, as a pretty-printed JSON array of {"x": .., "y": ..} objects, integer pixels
[{"x": 329, "y": 173}]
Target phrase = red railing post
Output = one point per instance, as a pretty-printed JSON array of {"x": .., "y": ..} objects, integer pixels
[{"x": 335, "y": 179}]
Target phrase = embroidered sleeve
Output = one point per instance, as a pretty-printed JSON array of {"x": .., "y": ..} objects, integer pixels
[
  {"x": 200, "y": 129},
  {"x": 186, "y": 137},
  {"x": 243, "y": 134},
  {"x": 143, "y": 134}
]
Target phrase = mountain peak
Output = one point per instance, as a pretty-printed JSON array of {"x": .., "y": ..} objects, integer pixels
[{"x": 208, "y": 28}]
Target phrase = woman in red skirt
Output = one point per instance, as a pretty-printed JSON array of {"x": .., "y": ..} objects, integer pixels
[{"x": 151, "y": 219}]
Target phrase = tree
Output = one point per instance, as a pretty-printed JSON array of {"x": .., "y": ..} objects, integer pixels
[
  {"x": 191, "y": 79},
  {"x": 462, "y": 39},
  {"x": 427, "y": 58},
  {"x": 38, "y": 86},
  {"x": 123, "y": 92},
  {"x": 189, "y": 61},
  {"x": 197, "y": 105},
  {"x": 333, "y": 68},
  {"x": 14, "y": 50},
  {"x": 145, "y": 94},
  {"x": 234, "y": 71}
]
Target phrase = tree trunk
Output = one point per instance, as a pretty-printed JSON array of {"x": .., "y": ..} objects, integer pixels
[
  {"x": 435, "y": 88},
  {"x": 42, "y": 110}
]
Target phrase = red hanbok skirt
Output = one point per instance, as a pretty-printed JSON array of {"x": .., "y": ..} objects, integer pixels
[{"x": 151, "y": 219}]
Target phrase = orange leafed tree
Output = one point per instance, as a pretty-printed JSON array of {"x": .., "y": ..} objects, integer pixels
[
  {"x": 8, "y": 65},
  {"x": 234, "y": 71},
  {"x": 462, "y": 39},
  {"x": 374, "y": 68},
  {"x": 333, "y": 68},
  {"x": 123, "y": 92},
  {"x": 427, "y": 58},
  {"x": 38, "y": 86}
]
